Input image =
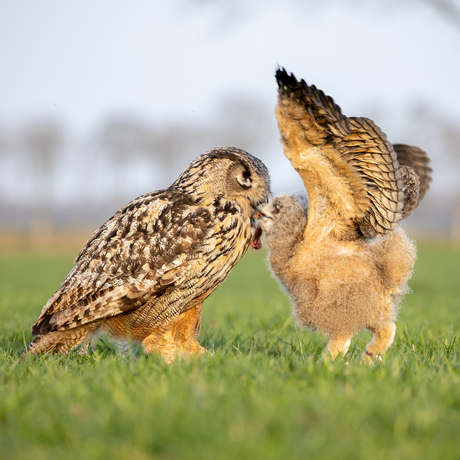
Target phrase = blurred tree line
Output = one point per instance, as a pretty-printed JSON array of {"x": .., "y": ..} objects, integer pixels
[{"x": 51, "y": 181}]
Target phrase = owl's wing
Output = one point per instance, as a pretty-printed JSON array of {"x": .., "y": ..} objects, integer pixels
[
  {"x": 348, "y": 167},
  {"x": 146, "y": 249},
  {"x": 418, "y": 160}
]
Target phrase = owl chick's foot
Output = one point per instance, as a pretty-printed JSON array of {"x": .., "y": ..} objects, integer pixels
[
  {"x": 369, "y": 358},
  {"x": 338, "y": 347},
  {"x": 382, "y": 340},
  {"x": 194, "y": 349}
]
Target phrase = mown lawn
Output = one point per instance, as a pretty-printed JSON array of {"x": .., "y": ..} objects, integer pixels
[{"x": 265, "y": 392}]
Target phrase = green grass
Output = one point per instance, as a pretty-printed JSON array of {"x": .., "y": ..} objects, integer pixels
[{"x": 265, "y": 392}]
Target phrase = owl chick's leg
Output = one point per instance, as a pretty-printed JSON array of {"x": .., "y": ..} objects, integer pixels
[
  {"x": 382, "y": 340},
  {"x": 187, "y": 331},
  {"x": 161, "y": 341},
  {"x": 338, "y": 346}
]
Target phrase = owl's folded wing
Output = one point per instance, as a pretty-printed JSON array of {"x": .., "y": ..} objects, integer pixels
[{"x": 146, "y": 249}]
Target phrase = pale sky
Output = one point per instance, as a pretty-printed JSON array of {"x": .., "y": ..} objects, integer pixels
[{"x": 81, "y": 61}]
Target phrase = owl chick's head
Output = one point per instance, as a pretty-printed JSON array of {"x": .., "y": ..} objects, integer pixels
[
  {"x": 227, "y": 172},
  {"x": 283, "y": 218}
]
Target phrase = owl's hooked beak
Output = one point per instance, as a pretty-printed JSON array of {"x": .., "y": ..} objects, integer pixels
[
  {"x": 256, "y": 243},
  {"x": 264, "y": 217}
]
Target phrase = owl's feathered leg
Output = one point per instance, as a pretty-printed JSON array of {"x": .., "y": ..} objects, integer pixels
[
  {"x": 382, "y": 340},
  {"x": 161, "y": 341},
  {"x": 187, "y": 331},
  {"x": 88, "y": 344},
  {"x": 338, "y": 346}
]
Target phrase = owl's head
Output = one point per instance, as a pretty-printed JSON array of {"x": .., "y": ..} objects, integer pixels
[
  {"x": 285, "y": 217},
  {"x": 227, "y": 172}
]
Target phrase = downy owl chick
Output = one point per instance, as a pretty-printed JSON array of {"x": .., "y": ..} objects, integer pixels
[
  {"x": 343, "y": 259},
  {"x": 335, "y": 287}
]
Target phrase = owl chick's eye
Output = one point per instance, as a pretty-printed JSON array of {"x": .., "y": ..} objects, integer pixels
[{"x": 276, "y": 210}]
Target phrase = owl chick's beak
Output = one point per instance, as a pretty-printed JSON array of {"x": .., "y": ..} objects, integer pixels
[
  {"x": 263, "y": 200},
  {"x": 264, "y": 217}
]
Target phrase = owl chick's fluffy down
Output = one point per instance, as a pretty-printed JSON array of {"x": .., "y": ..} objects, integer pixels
[
  {"x": 342, "y": 258},
  {"x": 338, "y": 287},
  {"x": 146, "y": 272}
]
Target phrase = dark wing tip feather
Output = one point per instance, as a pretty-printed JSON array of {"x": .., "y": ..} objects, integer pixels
[
  {"x": 320, "y": 106},
  {"x": 41, "y": 326},
  {"x": 287, "y": 83}
]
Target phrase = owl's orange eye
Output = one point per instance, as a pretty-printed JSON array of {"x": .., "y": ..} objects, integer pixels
[{"x": 276, "y": 210}]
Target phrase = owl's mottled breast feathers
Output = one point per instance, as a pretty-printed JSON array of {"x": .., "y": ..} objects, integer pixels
[{"x": 142, "y": 249}]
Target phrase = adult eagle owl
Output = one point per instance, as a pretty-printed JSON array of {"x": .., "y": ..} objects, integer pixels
[
  {"x": 340, "y": 253},
  {"x": 146, "y": 272}
]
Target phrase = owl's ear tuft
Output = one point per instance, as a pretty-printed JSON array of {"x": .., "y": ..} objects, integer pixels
[{"x": 244, "y": 179}]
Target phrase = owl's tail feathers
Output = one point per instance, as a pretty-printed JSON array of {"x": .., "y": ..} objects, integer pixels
[
  {"x": 57, "y": 341},
  {"x": 48, "y": 343},
  {"x": 39, "y": 345}
]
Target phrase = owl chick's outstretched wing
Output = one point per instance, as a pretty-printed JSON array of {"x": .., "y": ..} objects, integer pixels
[
  {"x": 350, "y": 170},
  {"x": 158, "y": 258}
]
